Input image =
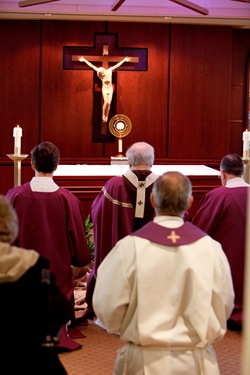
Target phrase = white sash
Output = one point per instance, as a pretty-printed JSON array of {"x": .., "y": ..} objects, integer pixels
[{"x": 141, "y": 187}]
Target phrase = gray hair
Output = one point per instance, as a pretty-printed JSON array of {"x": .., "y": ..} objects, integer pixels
[
  {"x": 141, "y": 153},
  {"x": 8, "y": 221},
  {"x": 172, "y": 192}
]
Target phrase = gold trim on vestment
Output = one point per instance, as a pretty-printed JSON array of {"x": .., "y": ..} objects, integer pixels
[{"x": 115, "y": 201}]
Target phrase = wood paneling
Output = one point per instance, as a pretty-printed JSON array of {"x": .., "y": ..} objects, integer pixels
[
  {"x": 19, "y": 83},
  {"x": 199, "y": 91},
  {"x": 241, "y": 51},
  {"x": 67, "y": 94},
  {"x": 189, "y": 104}
]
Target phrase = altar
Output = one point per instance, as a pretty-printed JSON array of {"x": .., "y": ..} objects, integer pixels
[{"x": 86, "y": 181}]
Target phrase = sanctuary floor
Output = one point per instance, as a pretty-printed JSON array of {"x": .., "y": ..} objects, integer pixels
[{"x": 97, "y": 355}]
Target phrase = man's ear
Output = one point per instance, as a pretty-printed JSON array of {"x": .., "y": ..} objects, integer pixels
[
  {"x": 191, "y": 199},
  {"x": 32, "y": 166},
  {"x": 223, "y": 178},
  {"x": 152, "y": 201}
]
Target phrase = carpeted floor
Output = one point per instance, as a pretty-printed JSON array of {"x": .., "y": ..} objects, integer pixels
[{"x": 97, "y": 355}]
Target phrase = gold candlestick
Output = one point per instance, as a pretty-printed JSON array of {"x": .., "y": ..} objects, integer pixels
[
  {"x": 246, "y": 141},
  {"x": 246, "y": 170},
  {"x": 120, "y": 155},
  {"x": 17, "y": 158}
]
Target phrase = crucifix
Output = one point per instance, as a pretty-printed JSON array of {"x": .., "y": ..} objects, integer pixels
[
  {"x": 104, "y": 58},
  {"x": 105, "y": 74}
]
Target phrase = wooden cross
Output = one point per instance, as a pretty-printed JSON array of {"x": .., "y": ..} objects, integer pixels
[
  {"x": 105, "y": 59},
  {"x": 106, "y": 53}
]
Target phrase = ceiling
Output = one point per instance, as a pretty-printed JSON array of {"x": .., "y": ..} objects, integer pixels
[{"x": 235, "y": 13}]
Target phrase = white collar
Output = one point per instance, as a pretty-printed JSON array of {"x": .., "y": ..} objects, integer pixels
[
  {"x": 236, "y": 182},
  {"x": 169, "y": 221},
  {"x": 43, "y": 184}
]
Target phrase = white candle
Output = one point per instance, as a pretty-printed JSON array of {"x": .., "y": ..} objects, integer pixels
[
  {"x": 17, "y": 134},
  {"x": 245, "y": 138}
]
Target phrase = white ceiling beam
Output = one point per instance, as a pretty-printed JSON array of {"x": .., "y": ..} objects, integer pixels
[{"x": 192, "y": 6}]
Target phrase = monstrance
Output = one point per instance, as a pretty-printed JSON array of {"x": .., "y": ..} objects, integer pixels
[{"x": 120, "y": 126}]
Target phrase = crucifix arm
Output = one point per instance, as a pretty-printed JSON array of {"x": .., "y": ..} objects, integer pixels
[
  {"x": 126, "y": 59},
  {"x": 82, "y": 59}
]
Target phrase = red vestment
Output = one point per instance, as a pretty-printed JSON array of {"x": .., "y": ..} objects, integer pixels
[
  {"x": 52, "y": 223},
  {"x": 222, "y": 215},
  {"x": 113, "y": 216}
]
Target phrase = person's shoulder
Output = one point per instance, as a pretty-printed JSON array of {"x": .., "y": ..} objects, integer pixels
[
  {"x": 17, "y": 190},
  {"x": 217, "y": 191},
  {"x": 113, "y": 187},
  {"x": 225, "y": 191},
  {"x": 67, "y": 195},
  {"x": 213, "y": 197},
  {"x": 114, "y": 181},
  {"x": 65, "y": 192},
  {"x": 21, "y": 187}
]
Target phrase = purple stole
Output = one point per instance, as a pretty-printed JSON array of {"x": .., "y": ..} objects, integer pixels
[{"x": 185, "y": 234}]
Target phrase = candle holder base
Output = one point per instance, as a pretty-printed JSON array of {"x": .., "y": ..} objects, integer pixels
[
  {"x": 17, "y": 158},
  {"x": 247, "y": 170},
  {"x": 119, "y": 156},
  {"x": 119, "y": 159}
]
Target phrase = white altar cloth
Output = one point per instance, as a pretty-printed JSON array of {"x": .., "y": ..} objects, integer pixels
[{"x": 117, "y": 170}]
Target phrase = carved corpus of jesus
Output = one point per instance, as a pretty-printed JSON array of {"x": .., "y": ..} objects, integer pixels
[{"x": 105, "y": 76}]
